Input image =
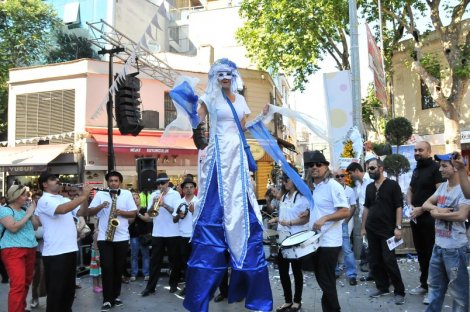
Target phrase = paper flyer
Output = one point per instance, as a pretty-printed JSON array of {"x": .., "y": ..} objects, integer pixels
[{"x": 393, "y": 243}]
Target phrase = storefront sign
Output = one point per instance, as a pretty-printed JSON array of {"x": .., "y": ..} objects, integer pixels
[
  {"x": 256, "y": 150},
  {"x": 16, "y": 170},
  {"x": 465, "y": 136}
]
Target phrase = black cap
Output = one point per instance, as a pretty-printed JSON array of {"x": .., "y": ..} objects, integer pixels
[
  {"x": 44, "y": 177},
  {"x": 188, "y": 180},
  {"x": 315, "y": 157},
  {"x": 114, "y": 174}
]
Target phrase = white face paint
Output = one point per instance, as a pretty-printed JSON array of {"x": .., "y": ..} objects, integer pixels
[{"x": 221, "y": 75}]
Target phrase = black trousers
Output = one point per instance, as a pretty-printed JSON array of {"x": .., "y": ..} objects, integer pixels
[
  {"x": 59, "y": 272},
  {"x": 182, "y": 257},
  {"x": 324, "y": 265},
  {"x": 283, "y": 265},
  {"x": 223, "y": 286},
  {"x": 159, "y": 244},
  {"x": 383, "y": 265},
  {"x": 112, "y": 261},
  {"x": 423, "y": 238}
]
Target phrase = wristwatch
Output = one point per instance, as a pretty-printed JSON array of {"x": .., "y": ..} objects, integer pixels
[{"x": 398, "y": 227}]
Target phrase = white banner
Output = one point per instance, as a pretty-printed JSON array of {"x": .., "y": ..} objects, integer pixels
[{"x": 338, "y": 95}]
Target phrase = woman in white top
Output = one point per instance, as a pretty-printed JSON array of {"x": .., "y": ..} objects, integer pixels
[{"x": 292, "y": 205}]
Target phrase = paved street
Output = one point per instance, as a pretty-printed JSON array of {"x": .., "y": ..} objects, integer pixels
[{"x": 352, "y": 298}]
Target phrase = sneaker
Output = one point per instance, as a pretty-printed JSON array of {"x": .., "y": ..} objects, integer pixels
[
  {"x": 418, "y": 291},
  {"x": 426, "y": 299},
  {"x": 352, "y": 281},
  {"x": 173, "y": 289},
  {"x": 146, "y": 278},
  {"x": 106, "y": 307},
  {"x": 34, "y": 303},
  {"x": 399, "y": 299},
  {"x": 132, "y": 279},
  {"x": 118, "y": 302},
  {"x": 379, "y": 293}
]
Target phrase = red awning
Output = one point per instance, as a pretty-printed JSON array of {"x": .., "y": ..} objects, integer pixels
[{"x": 145, "y": 143}]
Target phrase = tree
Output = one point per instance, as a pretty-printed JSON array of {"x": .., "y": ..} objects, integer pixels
[
  {"x": 448, "y": 64},
  {"x": 398, "y": 131},
  {"x": 25, "y": 29},
  {"x": 294, "y": 35},
  {"x": 70, "y": 46}
]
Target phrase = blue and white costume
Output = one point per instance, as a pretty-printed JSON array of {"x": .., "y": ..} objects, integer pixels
[{"x": 227, "y": 216}]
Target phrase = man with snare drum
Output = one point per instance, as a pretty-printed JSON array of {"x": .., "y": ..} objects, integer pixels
[{"x": 331, "y": 205}]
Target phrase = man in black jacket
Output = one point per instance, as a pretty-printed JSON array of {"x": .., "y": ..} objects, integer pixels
[{"x": 424, "y": 182}]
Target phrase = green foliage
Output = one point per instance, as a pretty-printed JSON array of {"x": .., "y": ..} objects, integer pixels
[
  {"x": 398, "y": 130},
  {"x": 396, "y": 165},
  {"x": 431, "y": 63},
  {"x": 382, "y": 149},
  {"x": 293, "y": 36},
  {"x": 25, "y": 30},
  {"x": 69, "y": 46},
  {"x": 370, "y": 107}
]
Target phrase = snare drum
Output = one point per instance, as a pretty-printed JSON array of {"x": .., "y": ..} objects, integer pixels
[{"x": 301, "y": 244}]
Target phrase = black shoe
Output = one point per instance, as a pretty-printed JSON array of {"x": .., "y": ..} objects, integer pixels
[
  {"x": 219, "y": 298},
  {"x": 106, "y": 307},
  {"x": 363, "y": 268},
  {"x": 118, "y": 302},
  {"x": 5, "y": 281},
  {"x": 352, "y": 281},
  {"x": 147, "y": 292},
  {"x": 367, "y": 278},
  {"x": 286, "y": 307},
  {"x": 379, "y": 293},
  {"x": 173, "y": 289},
  {"x": 295, "y": 309}
]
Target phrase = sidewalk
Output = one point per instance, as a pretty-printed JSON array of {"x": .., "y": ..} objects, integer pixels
[{"x": 352, "y": 298}]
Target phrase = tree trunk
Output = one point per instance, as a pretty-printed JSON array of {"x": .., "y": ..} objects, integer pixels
[{"x": 452, "y": 133}]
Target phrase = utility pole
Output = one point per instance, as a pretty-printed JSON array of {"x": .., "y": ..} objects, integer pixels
[
  {"x": 109, "y": 105},
  {"x": 355, "y": 67}
]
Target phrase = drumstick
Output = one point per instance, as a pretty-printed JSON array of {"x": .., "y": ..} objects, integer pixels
[{"x": 267, "y": 214}]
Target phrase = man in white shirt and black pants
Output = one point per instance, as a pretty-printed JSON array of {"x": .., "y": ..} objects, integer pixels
[
  {"x": 184, "y": 218},
  {"x": 331, "y": 205},
  {"x": 60, "y": 242},
  {"x": 165, "y": 233},
  {"x": 113, "y": 252}
]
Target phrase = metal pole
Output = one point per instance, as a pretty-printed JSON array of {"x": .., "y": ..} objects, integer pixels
[
  {"x": 355, "y": 67},
  {"x": 382, "y": 53},
  {"x": 109, "y": 105}
]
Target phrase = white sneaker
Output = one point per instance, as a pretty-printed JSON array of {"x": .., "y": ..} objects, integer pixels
[
  {"x": 418, "y": 291},
  {"x": 426, "y": 299},
  {"x": 132, "y": 279}
]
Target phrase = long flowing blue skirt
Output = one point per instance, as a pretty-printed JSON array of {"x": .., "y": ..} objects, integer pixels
[{"x": 207, "y": 264}]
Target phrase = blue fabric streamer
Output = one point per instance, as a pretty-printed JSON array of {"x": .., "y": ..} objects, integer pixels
[
  {"x": 184, "y": 96},
  {"x": 267, "y": 142}
]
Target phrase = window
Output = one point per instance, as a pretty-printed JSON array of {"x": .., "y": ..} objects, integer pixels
[
  {"x": 45, "y": 113},
  {"x": 426, "y": 100},
  {"x": 170, "y": 110}
]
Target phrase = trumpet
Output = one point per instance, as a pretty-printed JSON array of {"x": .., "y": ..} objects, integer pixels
[{"x": 155, "y": 210}]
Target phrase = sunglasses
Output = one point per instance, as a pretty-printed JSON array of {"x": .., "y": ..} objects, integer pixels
[
  {"x": 340, "y": 176},
  {"x": 371, "y": 168},
  {"x": 318, "y": 165},
  {"x": 161, "y": 183}
]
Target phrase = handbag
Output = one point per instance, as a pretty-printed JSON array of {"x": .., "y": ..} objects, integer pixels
[
  {"x": 249, "y": 156},
  {"x": 145, "y": 239}
]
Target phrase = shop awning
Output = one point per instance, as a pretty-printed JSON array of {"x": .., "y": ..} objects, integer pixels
[
  {"x": 34, "y": 155},
  {"x": 144, "y": 143}
]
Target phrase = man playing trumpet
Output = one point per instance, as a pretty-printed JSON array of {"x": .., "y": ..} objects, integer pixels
[
  {"x": 165, "y": 232},
  {"x": 112, "y": 207}
]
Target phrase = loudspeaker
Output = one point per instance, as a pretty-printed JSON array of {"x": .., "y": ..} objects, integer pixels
[{"x": 146, "y": 174}]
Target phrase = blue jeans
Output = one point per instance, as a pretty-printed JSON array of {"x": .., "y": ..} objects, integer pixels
[
  {"x": 448, "y": 269},
  {"x": 349, "y": 260},
  {"x": 144, "y": 250}
]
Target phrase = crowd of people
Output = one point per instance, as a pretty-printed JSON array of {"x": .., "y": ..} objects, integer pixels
[{"x": 215, "y": 239}]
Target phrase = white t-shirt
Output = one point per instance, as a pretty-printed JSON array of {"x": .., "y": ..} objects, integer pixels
[
  {"x": 186, "y": 225},
  {"x": 125, "y": 202},
  {"x": 351, "y": 196},
  {"x": 288, "y": 211},
  {"x": 361, "y": 192},
  {"x": 328, "y": 197},
  {"x": 163, "y": 225},
  {"x": 60, "y": 231}
]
